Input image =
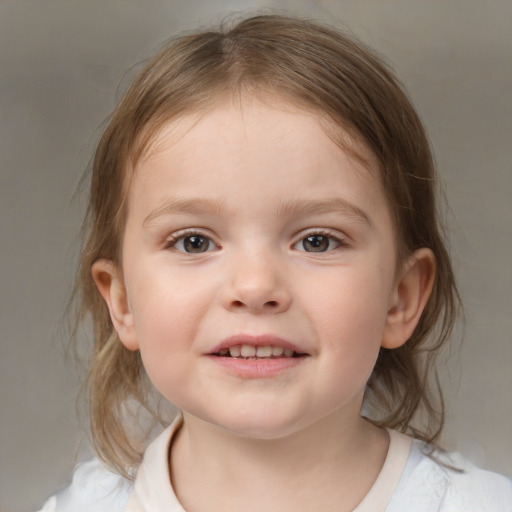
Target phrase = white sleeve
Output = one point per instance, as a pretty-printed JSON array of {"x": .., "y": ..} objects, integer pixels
[
  {"x": 478, "y": 490},
  {"x": 94, "y": 488},
  {"x": 429, "y": 484}
]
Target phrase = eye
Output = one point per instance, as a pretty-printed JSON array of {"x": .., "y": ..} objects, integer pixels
[
  {"x": 318, "y": 242},
  {"x": 193, "y": 243}
]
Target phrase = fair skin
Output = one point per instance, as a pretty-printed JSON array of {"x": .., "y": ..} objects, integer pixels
[{"x": 249, "y": 229}]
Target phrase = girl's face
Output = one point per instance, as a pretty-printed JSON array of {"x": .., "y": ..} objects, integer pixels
[{"x": 250, "y": 231}]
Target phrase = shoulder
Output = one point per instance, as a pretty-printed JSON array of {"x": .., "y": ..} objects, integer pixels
[
  {"x": 93, "y": 487},
  {"x": 472, "y": 488},
  {"x": 446, "y": 482}
]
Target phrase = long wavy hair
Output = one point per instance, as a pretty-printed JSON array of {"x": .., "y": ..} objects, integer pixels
[{"x": 327, "y": 72}]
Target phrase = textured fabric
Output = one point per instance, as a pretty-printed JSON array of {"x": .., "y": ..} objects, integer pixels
[
  {"x": 428, "y": 484},
  {"x": 411, "y": 480},
  {"x": 94, "y": 489}
]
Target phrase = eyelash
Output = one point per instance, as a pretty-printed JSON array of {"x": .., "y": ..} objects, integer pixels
[
  {"x": 174, "y": 240},
  {"x": 329, "y": 236}
]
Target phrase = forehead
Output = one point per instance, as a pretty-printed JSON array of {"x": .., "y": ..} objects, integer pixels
[
  {"x": 277, "y": 156},
  {"x": 161, "y": 135},
  {"x": 251, "y": 133}
]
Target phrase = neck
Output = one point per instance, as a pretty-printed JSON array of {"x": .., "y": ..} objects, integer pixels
[{"x": 330, "y": 465}]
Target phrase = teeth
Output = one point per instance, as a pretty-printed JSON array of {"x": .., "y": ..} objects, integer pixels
[
  {"x": 234, "y": 351},
  {"x": 277, "y": 351},
  {"x": 250, "y": 351},
  {"x": 265, "y": 351}
]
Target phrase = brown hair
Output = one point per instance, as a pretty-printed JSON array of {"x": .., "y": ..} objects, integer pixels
[{"x": 330, "y": 73}]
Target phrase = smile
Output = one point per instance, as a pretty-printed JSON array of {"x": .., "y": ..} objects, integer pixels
[
  {"x": 245, "y": 351},
  {"x": 261, "y": 356}
]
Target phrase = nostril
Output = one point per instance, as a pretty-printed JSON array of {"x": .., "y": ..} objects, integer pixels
[{"x": 238, "y": 304}]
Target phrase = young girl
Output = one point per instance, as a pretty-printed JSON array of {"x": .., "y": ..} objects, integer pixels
[{"x": 262, "y": 246}]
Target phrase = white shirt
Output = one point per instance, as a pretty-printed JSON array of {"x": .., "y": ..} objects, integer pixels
[{"x": 410, "y": 481}]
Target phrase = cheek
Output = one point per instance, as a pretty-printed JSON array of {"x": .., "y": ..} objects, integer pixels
[
  {"x": 353, "y": 303},
  {"x": 164, "y": 322},
  {"x": 159, "y": 298},
  {"x": 350, "y": 320},
  {"x": 165, "y": 334}
]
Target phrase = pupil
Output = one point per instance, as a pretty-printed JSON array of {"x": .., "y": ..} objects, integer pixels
[
  {"x": 195, "y": 244},
  {"x": 316, "y": 243}
]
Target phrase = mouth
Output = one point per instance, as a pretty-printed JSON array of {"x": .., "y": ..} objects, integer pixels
[
  {"x": 257, "y": 357},
  {"x": 246, "y": 351},
  {"x": 257, "y": 347}
]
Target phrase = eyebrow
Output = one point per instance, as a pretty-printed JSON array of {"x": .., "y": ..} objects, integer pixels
[
  {"x": 195, "y": 206},
  {"x": 305, "y": 207},
  {"x": 294, "y": 208}
]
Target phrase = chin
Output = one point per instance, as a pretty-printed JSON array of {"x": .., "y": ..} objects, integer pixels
[{"x": 254, "y": 424}]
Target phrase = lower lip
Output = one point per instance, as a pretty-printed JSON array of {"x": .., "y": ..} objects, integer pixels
[{"x": 257, "y": 368}]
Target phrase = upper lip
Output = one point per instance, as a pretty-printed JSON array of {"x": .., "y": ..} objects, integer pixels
[{"x": 259, "y": 340}]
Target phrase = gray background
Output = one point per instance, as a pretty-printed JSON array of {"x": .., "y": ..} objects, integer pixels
[{"x": 60, "y": 64}]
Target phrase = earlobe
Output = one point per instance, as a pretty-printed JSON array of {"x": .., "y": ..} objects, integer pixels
[
  {"x": 410, "y": 296},
  {"x": 110, "y": 284}
]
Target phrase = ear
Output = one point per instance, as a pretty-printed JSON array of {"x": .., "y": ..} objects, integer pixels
[
  {"x": 410, "y": 296},
  {"x": 110, "y": 283}
]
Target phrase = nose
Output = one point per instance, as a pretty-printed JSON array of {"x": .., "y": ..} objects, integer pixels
[{"x": 256, "y": 285}]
